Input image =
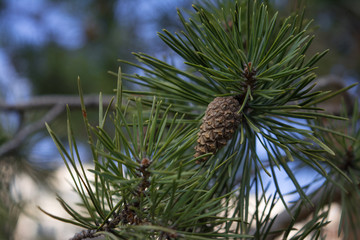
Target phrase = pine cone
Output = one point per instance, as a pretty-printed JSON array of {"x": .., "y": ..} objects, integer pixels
[{"x": 219, "y": 124}]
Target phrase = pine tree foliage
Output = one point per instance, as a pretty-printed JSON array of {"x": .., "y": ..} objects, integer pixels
[
  {"x": 183, "y": 160},
  {"x": 145, "y": 183},
  {"x": 244, "y": 52}
]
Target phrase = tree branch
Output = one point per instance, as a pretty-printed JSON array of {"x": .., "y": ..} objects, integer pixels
[
  {"x": 49, "y": 101},
  {"x": 23, "y": 133},
  {"x": 57, "y": 106},
  {"x": 283, "y": 220}
]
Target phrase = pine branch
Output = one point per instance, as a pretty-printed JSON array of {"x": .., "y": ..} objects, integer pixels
[
  {"x": 258, "y": 60},
  {"x": 146, "y": 182},
  {"x": 250, "y": 73}
]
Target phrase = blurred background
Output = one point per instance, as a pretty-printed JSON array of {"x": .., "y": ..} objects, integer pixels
[{"x": 46, "y": 44}]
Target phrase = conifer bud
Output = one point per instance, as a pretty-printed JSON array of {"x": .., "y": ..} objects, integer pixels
[{"x": 219, "y": 124}]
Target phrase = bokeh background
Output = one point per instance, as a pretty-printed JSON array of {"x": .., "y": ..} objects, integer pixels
[{"x": 46, "y": 44}]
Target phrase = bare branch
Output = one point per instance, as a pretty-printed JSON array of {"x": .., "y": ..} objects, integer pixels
[
  {"x": 23, "y": 133},
  {"x": 49, "y": 101},
  {"x": 56, "y": 104},
  {"x": 283, "y": 220}
]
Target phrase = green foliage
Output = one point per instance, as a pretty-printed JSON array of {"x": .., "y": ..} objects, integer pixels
[
  {"x": 145, "y": 182},
  {"x": 148, "y": 198},
  {"x": 246, "y": 52}
]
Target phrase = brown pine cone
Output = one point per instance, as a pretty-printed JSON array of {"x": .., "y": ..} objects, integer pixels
[{"x": 219, "y": 124}]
